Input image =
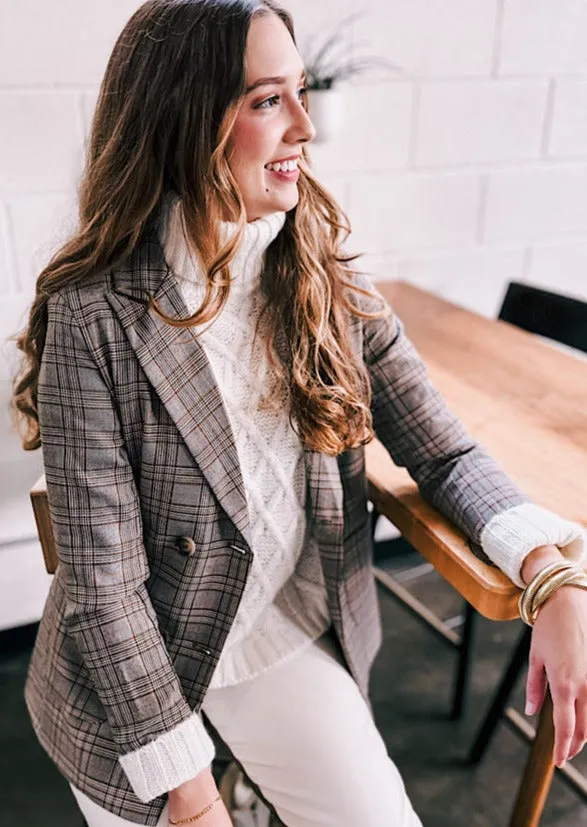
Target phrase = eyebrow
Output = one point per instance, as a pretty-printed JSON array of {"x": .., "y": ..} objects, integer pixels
[{"x": 278, "y": 80}]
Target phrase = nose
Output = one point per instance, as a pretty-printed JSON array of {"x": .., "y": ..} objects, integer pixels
[{"x": 302, "y": 129}]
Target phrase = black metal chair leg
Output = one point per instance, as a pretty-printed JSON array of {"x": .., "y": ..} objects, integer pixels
[
  {"x": 465, "y": 649},
  {"x": 500, "y": 699},
  {"x": 464, "y": 646}
]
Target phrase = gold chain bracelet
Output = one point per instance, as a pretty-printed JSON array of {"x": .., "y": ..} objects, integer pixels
[{"x": 197, "y": 816}]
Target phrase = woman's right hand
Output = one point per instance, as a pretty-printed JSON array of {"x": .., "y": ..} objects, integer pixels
[{"x": 195, "y": 795}]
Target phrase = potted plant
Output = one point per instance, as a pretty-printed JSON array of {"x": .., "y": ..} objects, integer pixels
[{"x": 327, "y": 66}]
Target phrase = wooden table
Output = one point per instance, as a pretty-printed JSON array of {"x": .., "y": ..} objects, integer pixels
[{"x": 526, "y": 402}]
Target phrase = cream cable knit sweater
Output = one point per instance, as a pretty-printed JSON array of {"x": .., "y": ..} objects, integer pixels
[{"x": 284, "y": 604}]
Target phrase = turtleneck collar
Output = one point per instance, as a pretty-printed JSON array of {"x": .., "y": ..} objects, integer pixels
[{"x": 248, "y": 261}]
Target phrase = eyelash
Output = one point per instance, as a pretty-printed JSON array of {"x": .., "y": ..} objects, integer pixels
[{"x": 275, "y": 98}]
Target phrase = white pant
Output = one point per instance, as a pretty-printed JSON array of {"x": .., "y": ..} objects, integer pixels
[{"x": 305, "y": 736}]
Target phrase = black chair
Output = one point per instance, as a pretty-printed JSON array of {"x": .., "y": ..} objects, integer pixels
[
  {"x": 563, "y": 320},
  {"x": 556, "y": 317}
]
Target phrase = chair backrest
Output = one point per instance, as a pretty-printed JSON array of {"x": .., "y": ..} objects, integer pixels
[
  {"x": 44, "y": 526},
  {"x": 556, "y": 317}
]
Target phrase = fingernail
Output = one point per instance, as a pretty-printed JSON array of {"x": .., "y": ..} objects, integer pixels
[{"x": 530, "y": 708}]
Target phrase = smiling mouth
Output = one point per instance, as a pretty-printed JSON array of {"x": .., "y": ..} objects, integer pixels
[{"x": 283, "y": 166}]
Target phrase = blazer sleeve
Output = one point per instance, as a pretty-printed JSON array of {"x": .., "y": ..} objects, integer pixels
[
  {"x": 452, "y": 471},
  {"x": 103, "y": 567}
]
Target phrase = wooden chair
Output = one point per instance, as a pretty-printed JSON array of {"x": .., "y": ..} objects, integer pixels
[{"x": 563, "y": 320}]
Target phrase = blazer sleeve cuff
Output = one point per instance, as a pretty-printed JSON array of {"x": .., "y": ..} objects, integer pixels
[
  {"x": 169, "y": 760},
  {"x": 509, "y": 537}
]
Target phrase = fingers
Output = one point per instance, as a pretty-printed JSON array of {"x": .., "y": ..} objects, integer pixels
[
  {"x": 580, "y": 735},
  {"x": 566, "y": 734},
  {"x": 563, "y": 704},
  {"x": 535, "y": 686}
]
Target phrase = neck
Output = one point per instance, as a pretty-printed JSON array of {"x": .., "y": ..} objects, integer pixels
[{"x": 247, "y": 263}]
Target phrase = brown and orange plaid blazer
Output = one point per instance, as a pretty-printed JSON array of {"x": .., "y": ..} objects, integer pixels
[{"x": 151, "y": 525}]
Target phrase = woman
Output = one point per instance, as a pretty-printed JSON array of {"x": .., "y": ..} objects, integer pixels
[{"x": 203, "y": 367}]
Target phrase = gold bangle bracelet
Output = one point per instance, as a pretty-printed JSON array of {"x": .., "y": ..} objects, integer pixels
[
  {"x": 544, "y": 575},
  {"x": 578, "y": 579},
  {"x": 554, "y": 584},
  {"x": 548, "y": 588},
  {"x": 529, "y": 604},
  {"x": 197, "y": 816},
  {"x": 577, "y": 582}
]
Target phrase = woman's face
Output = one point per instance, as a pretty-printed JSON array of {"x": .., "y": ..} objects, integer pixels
[{"x": 272, "y": 124}]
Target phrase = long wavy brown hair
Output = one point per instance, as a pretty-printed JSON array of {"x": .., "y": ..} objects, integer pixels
[{"x": 167, "y": 104}]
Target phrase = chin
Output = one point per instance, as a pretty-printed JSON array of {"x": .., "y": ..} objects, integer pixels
[
  {"x": 267, "y": 206},
  {"x": 282, "y": 204}
]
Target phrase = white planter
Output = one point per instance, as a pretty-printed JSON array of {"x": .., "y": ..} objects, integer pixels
[{"x": 327, "y": 113}]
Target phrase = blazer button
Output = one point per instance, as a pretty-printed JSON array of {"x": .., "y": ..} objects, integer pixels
[
  {"x": 185, "y": 545},
  {"x": 203, "y": 650}
]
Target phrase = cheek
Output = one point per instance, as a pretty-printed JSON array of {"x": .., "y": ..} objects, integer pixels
[{"x": 249, "y": 143}]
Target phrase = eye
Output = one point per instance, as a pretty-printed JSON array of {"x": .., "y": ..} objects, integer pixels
[{"x": 269, "y": 103}]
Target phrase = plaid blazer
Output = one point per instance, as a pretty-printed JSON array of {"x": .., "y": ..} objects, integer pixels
[{"x": 150, "y": 516}]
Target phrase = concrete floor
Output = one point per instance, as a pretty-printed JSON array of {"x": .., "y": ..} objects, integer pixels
[{"x": 411, "y": 689}]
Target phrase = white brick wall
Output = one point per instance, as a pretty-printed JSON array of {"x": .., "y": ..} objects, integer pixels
[
  {"x": 541, "y": 203},
  {"x": 568, "y": 134},
  {"x": 543, "y": 37},
  {"x": 40, "y": 136},
  {"x": 480, "y": 122},
  {"x": 60, "y": 44},
  {"x": 364, "y": 147},
  {"x": 432, "y": 39},
  {"x": 464, "y": 170},
  {"x": 475, "y": 278},
  {"x": 394, "y": 211},
  {"x": 564, "y": 265},
  {"x": 468, "y": 165},
  {"x": 478, "y": 141}
]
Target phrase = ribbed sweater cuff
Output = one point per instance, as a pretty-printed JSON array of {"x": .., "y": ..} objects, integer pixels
[
  {"x": 508, "y": 538},
  {"x": 169, "y": 760}
]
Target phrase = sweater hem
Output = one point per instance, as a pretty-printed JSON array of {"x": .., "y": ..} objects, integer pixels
[{"x": 509, "y": 537}]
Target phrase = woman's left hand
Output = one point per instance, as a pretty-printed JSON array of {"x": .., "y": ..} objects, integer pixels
[{"x": 558, "y": 654}]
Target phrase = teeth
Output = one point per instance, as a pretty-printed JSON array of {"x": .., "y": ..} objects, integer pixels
[{"x": 283, "y": 166}]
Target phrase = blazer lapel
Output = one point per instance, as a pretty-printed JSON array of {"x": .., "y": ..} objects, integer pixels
[{"x": 176, "y": 365}]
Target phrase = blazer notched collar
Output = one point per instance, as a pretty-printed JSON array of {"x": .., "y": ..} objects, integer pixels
[{"x": 176, "y": 365}]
